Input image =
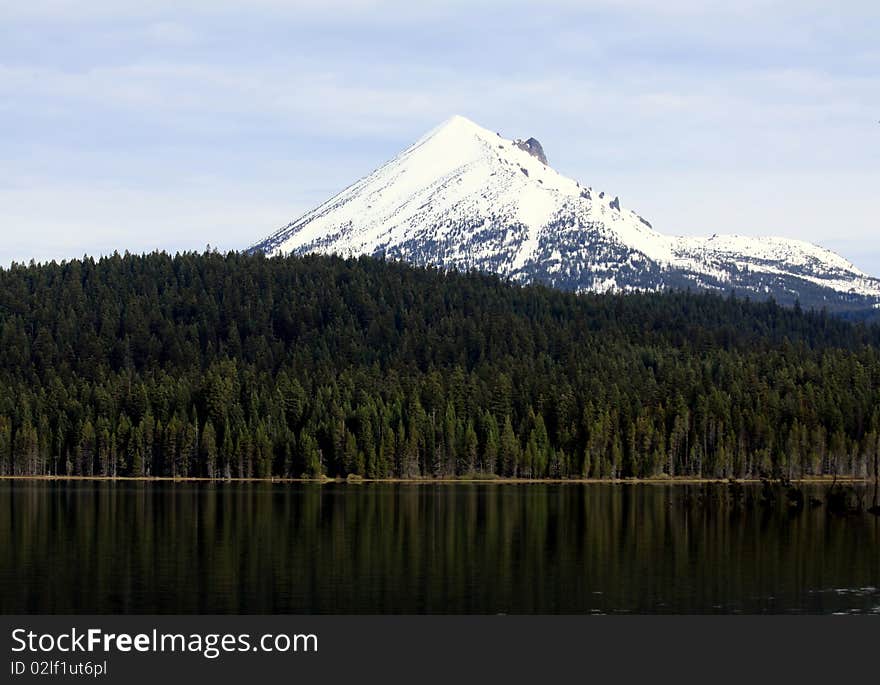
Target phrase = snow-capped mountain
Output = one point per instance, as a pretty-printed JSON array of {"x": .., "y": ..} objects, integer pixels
[{"x": 464, "y": 197}]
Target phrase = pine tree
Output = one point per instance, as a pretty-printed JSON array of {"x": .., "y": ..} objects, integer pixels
[
  {"x": 509, "y": 449},
  {"x": 469, "y": 450},
  {"x": 86, "y": 452},
  {"x": 491, "y": 444},
  {"x": 311, "y": 456},
  {"x": 208, "y": 450}
]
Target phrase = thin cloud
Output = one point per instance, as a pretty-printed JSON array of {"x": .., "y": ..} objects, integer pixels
[{"x": 659, "y": 102}]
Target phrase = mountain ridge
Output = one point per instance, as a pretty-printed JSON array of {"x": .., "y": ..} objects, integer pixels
[{"x": 464, "y": 197}]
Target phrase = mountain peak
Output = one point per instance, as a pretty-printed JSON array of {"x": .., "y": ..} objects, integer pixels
[
  {"x": 459, "y": 120},
  {"x": 465, "y": 197},
  {"x": 456, "y": 127}
]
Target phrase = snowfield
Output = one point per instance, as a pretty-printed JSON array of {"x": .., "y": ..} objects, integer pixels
[{"x": 465, "y": 197}]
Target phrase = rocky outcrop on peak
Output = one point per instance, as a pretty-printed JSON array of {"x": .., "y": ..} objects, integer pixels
[{"x": 533, "y": 147}]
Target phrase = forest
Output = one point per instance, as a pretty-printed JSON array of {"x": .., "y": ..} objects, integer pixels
[{"x": 240, "y": 366}]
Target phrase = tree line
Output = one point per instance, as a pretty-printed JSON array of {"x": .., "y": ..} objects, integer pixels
[{"x": 232, "y": 365}]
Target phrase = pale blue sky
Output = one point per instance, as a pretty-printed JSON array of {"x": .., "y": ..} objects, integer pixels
[{"x": 171, "y": 125}]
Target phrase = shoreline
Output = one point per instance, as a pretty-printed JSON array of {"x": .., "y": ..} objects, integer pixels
[{"x": 657, "y": 480}]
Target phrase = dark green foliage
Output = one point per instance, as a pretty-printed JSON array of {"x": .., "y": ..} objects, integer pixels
[{"x": 240, "y": 366}]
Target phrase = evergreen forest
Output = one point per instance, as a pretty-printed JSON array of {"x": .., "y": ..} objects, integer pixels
[{"x": 241, "y": 366}]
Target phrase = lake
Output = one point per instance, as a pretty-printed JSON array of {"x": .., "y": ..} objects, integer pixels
[{"x": 178, "y": 548}]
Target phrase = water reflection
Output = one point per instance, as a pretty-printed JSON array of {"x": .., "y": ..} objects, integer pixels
[{"x": 103, "y": 547}]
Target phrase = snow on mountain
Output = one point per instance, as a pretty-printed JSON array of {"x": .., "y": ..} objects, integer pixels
[{"x": 465, "y": 197}]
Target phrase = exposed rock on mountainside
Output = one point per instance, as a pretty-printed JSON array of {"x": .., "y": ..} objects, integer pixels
[{"x": 533, "y": 147}]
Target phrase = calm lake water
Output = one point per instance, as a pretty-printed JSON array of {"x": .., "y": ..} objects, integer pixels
[{"x": 103, "y": 547}]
